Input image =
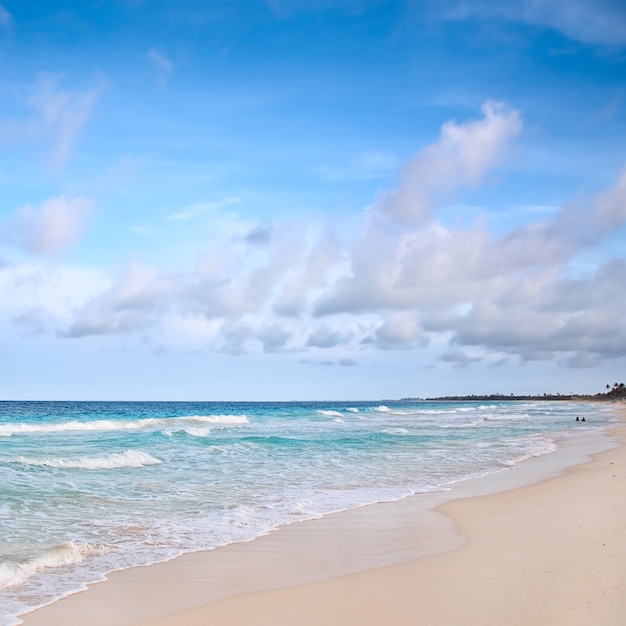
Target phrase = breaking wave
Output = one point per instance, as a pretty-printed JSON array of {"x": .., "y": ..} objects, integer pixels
[
  {"x": 115, "y": 460},
  {"x": 15, "y": 572},
  {"x": 168, "y": 423}
]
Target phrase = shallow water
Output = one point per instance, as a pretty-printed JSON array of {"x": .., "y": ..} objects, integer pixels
[{"x": 88, "y": 488}]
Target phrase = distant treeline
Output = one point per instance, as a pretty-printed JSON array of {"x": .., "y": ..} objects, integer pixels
[{"x": 614, "y": 392}]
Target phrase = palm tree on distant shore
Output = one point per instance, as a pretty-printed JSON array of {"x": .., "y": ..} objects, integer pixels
[{"x": 618, "y": 389}]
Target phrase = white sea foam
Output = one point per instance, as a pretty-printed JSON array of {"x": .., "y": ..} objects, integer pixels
[
  {"x": 473, "y": 424},
  {"x": 115, "y": 460},
  {"x": 170, "y": 423},
  {"x": 395, "y": 431},
  {"x": 244, "y": 448},
  {"x": 330, "y": 413},
  {"x": 541, "y": 445},
  {"x": 15, "y": 573},
  {"x": 217, "y": 419},
  {"x": 382, "y": 409},
  {"x": 352, "y": 410},
  {"x": 494, "y": 417},
  {"x": 198, "y": 432}
]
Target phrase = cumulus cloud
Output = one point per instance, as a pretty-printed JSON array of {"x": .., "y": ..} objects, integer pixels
[
  {"x": 398, "y": 284},
  {"x": 563, "y": 315},
  {"x": 48, "y": 227},
  {"x": 132, "y": 301},
  {"x": 462, "y": 157},
  {"x": 259, "y": 236},
  {"x": 309, "y": 278},
  {"x": 235, "y": 337},
  {"x": 274, "y": 338},
  {"x": 412, "y": 268},
  {"x": 33, "y": 320},
  {"x": 575, "y": 227},
  {"x": 326, "y": 337},
  {"x": 400, "y": 329},
  {"x": 433, "y": 269}
]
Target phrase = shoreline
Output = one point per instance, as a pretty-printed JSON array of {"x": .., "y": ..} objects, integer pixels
[
  {"x": 356, "y": 542},
  {"x": 534, "y": 555}
]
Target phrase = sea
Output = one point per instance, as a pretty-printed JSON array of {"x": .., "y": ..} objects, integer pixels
[{"x": 87, "y": 488}]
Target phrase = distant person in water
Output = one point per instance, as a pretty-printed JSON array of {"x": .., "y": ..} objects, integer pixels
[
  {"x": 583, "y": 420},
  {"x": 577, "y": 418}
]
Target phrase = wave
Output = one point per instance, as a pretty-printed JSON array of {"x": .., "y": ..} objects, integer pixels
[
  {"x": 169, "y": 423},
  {"x": 240, "y": 448},
  {"x": 453, "y": 425},
  {"x": 542, "y": 446},
  {"x": 382, "y": 409},
  {"x": 506, "y": 417},
  {"x": 330, "y": 413},
  {"x": 352, "y": 410},
  {"x": 202, "y": 431},
  {"x": 395, "y": 431},
  {"x": 115, "y": 460},
  {"x": 14, "y": 572},
  {"x": 216, "y": 419}
]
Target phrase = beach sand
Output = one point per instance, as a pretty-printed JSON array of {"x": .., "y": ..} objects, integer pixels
[{"x": 548, "y": 553}]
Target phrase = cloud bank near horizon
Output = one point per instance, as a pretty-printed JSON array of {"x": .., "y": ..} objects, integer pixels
[{"x": 403, "y": 280}]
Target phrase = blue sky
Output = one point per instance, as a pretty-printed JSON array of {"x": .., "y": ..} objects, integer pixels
[{"x": 338, "y": 199}]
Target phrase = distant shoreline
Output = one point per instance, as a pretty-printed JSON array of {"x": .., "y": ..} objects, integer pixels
[{"x": 611, "y": 396}]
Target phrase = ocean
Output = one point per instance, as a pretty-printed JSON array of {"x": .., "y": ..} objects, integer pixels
[{"x": 87, "y": 488}]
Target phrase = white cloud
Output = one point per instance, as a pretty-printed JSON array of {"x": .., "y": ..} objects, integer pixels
[
  {"x": 399, "y": 284},
  {"x": 133, "y": 300},
  {"x": 46, "y": 228},
  {"x": 325, "y": 336},
  {"x": 462, "y": 157},
  {"x": 591, "y": 21},
  {"x": 40, "y": 299},
  {"x": 400, "y": 329},
  {"x": 309, "y": 277},
  {"x": 459, "y": 359},
  {"x": 60, "y": 117},
  {"x": 64, "y": 114}
]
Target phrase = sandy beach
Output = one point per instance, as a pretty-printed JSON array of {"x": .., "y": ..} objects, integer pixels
[{"x": 551, "y": 552}]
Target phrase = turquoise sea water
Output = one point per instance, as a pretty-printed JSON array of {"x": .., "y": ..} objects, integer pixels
[{"x": 91, "y": 487}]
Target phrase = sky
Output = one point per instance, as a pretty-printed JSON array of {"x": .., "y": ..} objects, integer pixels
[{"x": 311, "y": 200}]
